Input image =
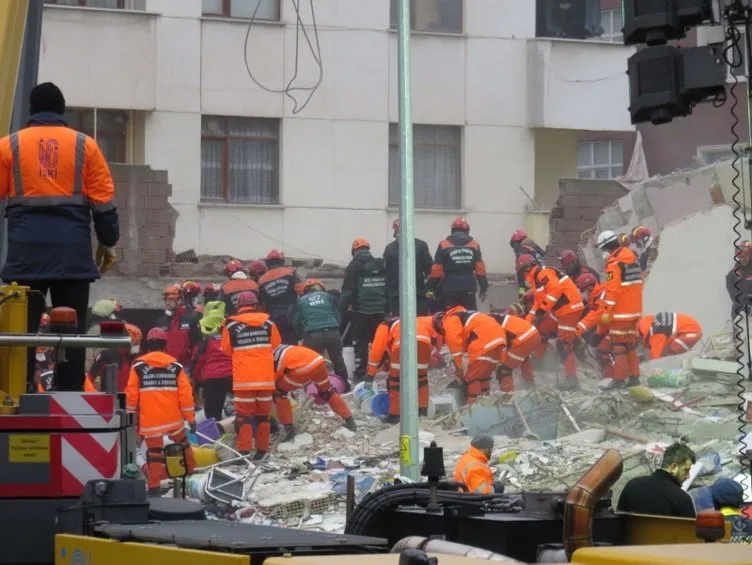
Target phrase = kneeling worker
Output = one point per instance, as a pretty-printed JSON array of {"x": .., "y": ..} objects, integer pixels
[
  {"x": 668, "y": 333},
  {"x": 159, "y": 390},
  {"x": 473, "y": 469}
]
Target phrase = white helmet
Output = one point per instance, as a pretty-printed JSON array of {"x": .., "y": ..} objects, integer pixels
[
  {"x": 605, "y": 237},
  {"x": 239, "y": 276}
]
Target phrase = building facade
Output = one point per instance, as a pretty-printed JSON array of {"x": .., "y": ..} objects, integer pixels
[{"x": 280, "y": 133}]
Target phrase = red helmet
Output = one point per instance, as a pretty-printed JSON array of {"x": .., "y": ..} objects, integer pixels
[
  {"x": 524, "y": 263},
  {"x": 257, "y": 268},
  {"x": 460, "y": 223},
  {"x": 156, "y": 334},
  {"x": 396, "y": 225},
  {"x": 275, "y": 255},
  {"x": 528, "y": 297},
  {"x": 233, "y": 267},
  {"x": 640, "y": 233},
  {"x": 585, "y": 280},
  {"x": 212, "y": 289},
  {"x": 437, "y": 321},
  {"x": 567, "y": 258},
  {"x": 244, "y": 300},
  {"x": 518, "y": 236},
  {"x": 190, "y": 288}
]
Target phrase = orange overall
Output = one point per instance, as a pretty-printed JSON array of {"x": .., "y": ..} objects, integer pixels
[
  {"x": 600, "y": 340},
  {"x": 387, "y": 341},
  {"x": 473, "y": 470},
  {"x": 482, "y": 338},
  {"x": 295, "y": 366},
  {"x": 669, "y": 333},
  {"x": 249, "y": 338},
  {"x": 159, "y": 391},
  {"x": 558, "y": 305},
  {"x": 520, "y": 342}
]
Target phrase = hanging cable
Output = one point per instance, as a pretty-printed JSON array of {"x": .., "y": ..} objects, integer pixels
[{"x": 314, "y": 46}]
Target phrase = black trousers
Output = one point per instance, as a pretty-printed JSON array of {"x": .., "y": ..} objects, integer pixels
[
  {"x": 363, "y": 327},
  {"x": 286, "y": 330},
  {"x": 423, "y": 308},
  {"x": 329, "y": 342},
  {"x": 452, "y": 298},
  {"x": 215, "y": 394},
  {"x": 73, "y": 294}
]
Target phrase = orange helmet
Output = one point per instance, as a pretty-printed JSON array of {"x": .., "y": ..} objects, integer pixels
[
  {"x": 135, "y": 333},
  {"x": 460, "y": 223},
  {"x": 310, "y": 283},
  {"x": 233, "y": 267},
  {"x": 172, "y": 291},
  {"x": 525, "y": 262},
  {"x": 360, "y": 243}
]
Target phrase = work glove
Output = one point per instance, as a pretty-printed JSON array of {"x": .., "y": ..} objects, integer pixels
[
  {"x": 521, "y": 292},
  {"x": 104, "y": 258},
  {"x": 192, "y": 426},
  {"x": 431, "y": 295},
  {"x": 605, "y": 319},
  {"x": 498, "y": 487},
  {"x": 482, "y": 294}
]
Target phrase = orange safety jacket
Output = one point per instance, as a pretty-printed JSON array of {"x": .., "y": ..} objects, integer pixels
[
  {"x": 623, "y": 299},
  {"x": 250, "y": 338},
  {"x": 554, "y": 293},
  {"x": 516, "y": 329},
  {"x": 474, "y": 332},
  {"x": 387, "y": 340},
  {"x": 295, "y": 360},
  {"x": 473, "y": 470},
  {"x": 159, "y": 390},
  {"x": 657, "y": 331},
  {"x": 593, "y": 310}
]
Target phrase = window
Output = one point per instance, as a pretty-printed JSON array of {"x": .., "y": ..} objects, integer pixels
[
  {"x": 240, "y": 160},
  {"x": 569, "y": 19},
  {"x": 709, "y": 154},
  {"x": 263, "y": 9},
  {"x": 108, "y": 127},
  {"x": 611, "y": 22},
  {"x": 442, "y": 16},
  {"x": 114, "y": 4},
  {"x": 436, "y": 157},
  {"x": 600, "y": 159}
]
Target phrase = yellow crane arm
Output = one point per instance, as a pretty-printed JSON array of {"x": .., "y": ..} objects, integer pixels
[{"x": 12, "y": 26}]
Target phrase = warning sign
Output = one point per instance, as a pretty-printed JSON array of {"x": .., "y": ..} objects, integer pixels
[
  {"x": 405, "y": 449},
  {"x": 29, "y": 448}
]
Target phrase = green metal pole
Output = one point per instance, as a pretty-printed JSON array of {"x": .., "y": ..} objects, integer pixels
[{"x": 409, "y": 456}]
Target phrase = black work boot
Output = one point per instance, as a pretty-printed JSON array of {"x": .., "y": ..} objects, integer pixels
[
  {"x": 351, "y": 425},
  {"x": 258, "y": 456},
  {"x": 288, "y": 432},
  {"x": 615, "y": 385},
  {"x": 391, "y": 419},
  {"x": 423, "y": 412},
  {"x": 633, "y": 381}
]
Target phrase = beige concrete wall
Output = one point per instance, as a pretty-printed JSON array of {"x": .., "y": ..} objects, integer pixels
[{"x": 555, "y": 158}]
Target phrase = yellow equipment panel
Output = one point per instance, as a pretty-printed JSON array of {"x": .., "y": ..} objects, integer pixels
[
  {"x": 683, "y": 554},
  {"x": 81, "y": 550}
]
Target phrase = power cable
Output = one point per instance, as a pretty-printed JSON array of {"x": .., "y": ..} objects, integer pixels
[{"x": 315, "y": 52}]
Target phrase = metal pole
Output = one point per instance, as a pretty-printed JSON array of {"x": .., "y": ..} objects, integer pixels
[
  {"x": 64, "y": 341},
  {"x": 409, "y": 458}
]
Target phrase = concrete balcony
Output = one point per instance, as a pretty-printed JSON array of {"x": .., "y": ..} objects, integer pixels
[{"x": 578, "y": 85}]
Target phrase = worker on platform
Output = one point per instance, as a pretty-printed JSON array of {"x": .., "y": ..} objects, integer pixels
[
  {"x": 739, "y": 280},
  {"x": 364, "y": 296},
  {"x": 386, "y": 344},
  {"x": 661, "y": 494},
  {"x": 521, "y": 340},
  {"x": 121, "y": 357},
  {"x": 557, "y": 307},
  {"x": 160, "y": 393},
  {"x": 295, "y": 366},
  {"x": 668, "y": 333},
  {"x": 473, "y": 470},
  {"x": 256, "y": 269},
  {"x": 239, "y": 282},
  {"x": 573, "y": 267},
  {"x": 180, "y": 324},
  {"x": 423, "y": 263},
  {"x": 481, "y": 337},
  {"x": 521, "y": 244},
  {"x": 212, "y": 367},
  {"x": 458, "y": 269},
  {"x": 190, "y": 291},
  {"x": 249, "y": 338},
  {"x": 590, "y": 327},
  {"x": 212, "y": 292},
  {"x": 277, "y": 294},
  {"x": 317, "y": 319},
  {"x": 728, "y": 499},
  {"x": 621, "y": 308},
  {"x": 55, "y": 181}
]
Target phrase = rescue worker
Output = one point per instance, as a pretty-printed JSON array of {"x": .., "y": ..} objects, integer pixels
[
  {"x": 740, "y": 275},
  {"x": 557, "y": 307},
  {"x": 316, "y": 319},
  {"x": 278, "y": 294},
  {"x": 524, "y": 305},
  {"x": 256, "y": 269},
  {"x": 249, "y": 338},
  {"x": 212, "y": 367},
  {"x": 160, "y": 393},
  {"x": 295, "y": 366},
  {"x": 233, "y": 266},
  {"x": 521, "y": 340},
  {"x": 423, "y": 263},
  {"x": 478, "y": 335},
  {"x": 239, "y": 282},
  {"x": 624, "y": 240},
  {"x": 621, "y": 308},
  {"x": 642, "y": 239},
  {"x": 728, "y": 499},
  {"x": 458, "y": 268},
  {"x": 386, "y": 343},
  {"x": 55, "y": 181},
  {"x": 364, "y": 296},
  {"x": 668, "y": 333},
  {"x": 190, "y": 290},
  {"x": 181, "y": 326},
  {"x": 121, "y": 357},
  {"x": 211, "y": 293},
  {"x": 573, "y": 267},
  {"x": 590, "y": 327},
  {"x": 521, "y": 244},
  {"x": 106, "y": 309},
  {"x": 473, "y": 469}
]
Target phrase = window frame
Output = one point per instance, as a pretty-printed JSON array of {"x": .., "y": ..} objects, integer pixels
[
  {"x": 226, "y": 159},
  {"x": 394, "y": 20},
  {"x": 82, "y": 4},
  {"x": 458, "y": 146},
  {"x": 226, "y": 12},
  {"x": 704, "y": 152},
  {"x": 592, "y": 166},
  {"x": 122, "y": 158},
  {"x": 616, "y": 36}
]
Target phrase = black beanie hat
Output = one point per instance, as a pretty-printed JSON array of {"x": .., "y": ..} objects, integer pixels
[
  {"x": 46, "y": 97},
  {"x": 482, "y": 442}
]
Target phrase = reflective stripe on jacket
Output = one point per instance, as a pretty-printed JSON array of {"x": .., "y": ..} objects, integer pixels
[
  {"x": 623, "y": 298},
  {"x": 296, "y": 360},
  {"x": 473, "y": 470},
  {"x": 474, "y": 332},
  {"x": 387, "y": 340},
  {"x": 249, "y": 338}
]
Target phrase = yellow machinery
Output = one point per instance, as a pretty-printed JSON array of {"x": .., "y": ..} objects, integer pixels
[{"x": 12, "y": 26}]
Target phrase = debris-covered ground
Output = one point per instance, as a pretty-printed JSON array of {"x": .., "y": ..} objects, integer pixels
[{"x": 302, "y": 484}]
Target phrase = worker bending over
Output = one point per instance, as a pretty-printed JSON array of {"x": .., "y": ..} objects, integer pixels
[
  {"x": 478, "y": 335},
  {"x": 294, "y": 367},
  {"x": 160, "y": 393},
  {"x": 473, "y": 469},
  {"x": 387, "y": 343},
  {"x": 249, "y": 338},
  {"x": 521, "y": 340},
  {"x": 668, "y": 333},
  {"x": 590, "y": 327},
  {"x": 573, "y": 267},
  {"x": 521, "y": 244}
]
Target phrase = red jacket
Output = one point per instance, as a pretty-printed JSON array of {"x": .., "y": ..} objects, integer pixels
[
  {"x": 121, "y": 357},
  {"x": 183, "y": 334},
  {"x": 211, "y": 362}
]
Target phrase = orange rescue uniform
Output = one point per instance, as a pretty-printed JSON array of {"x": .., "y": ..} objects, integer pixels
[
  {"x": 159, "y": 391},
  {"x": 295, "y": 366},
  {"x": 473, "y": 470},
  {"x": 521, "y": 340},
  {"x": 591, "y": 322},
  {"x": 482, "y": 338},
  {"x": 669, "y": 333},
  {"x": 387, "y": 341},
  {"x": 249, "y": 338}
]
